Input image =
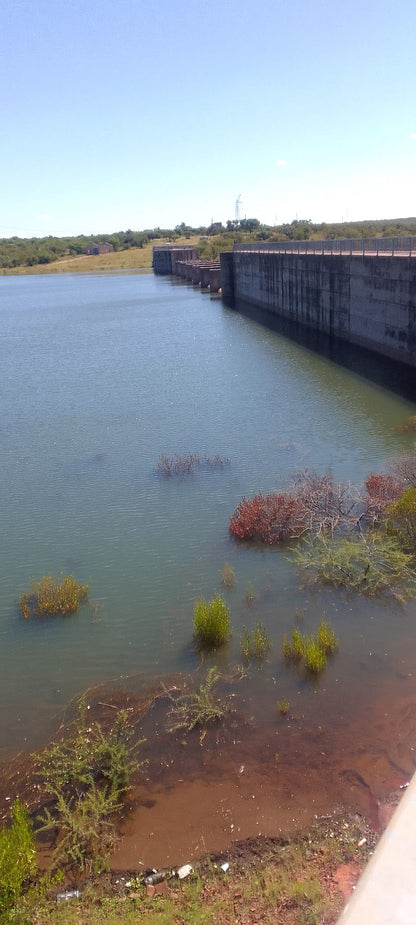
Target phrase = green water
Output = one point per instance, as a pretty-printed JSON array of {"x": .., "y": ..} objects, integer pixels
[{"x": 100, "y": 375}]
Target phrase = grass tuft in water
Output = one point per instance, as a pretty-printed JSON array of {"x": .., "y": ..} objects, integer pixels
[
  {"x": 257, "y": 643},
  {"x": 212, "y": 626},
  {"x": 283, "y": 706},
  {"x": 312, "y": 650}
]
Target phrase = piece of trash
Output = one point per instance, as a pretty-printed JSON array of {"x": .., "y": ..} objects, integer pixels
[
  {"x": 402, "y": 787},
  {"x": 156, "y": 877},
  {"x": 69, "y": 894},
  {"x": 184, "y": 871},
  {"x": 225, "y": 866},
  {"x": 361, "y": 842},
  {"x": 242, "y": 769}
]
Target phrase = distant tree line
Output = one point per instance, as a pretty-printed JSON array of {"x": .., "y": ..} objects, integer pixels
[{"x": 214, "y": 238}]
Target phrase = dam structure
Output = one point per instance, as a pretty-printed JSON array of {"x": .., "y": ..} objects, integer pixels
[
  {"x": 181, "y": 261},
  {"x": 362, "y": 291}
]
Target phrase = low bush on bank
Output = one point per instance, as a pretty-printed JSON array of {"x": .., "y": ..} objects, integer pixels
[
  {"x": 50, "y": 596},
  {"x": 17, "y": 859},
  {"x": 212, "y": 625},
  {"x": 85, "y": 777},
  {"x": 199, "y": 708}
]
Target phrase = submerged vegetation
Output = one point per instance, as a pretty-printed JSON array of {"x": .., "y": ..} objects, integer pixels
[
  {"x": 186, "y": 465},
  {"x": 228, "y": 579},
  {"x": 372, "y": 564},
  {"x": 212, "y": 625},
  {"x": 50, "y": 596}
]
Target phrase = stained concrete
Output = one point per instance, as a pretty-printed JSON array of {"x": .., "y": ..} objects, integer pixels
[{"x": 367, "y": 300}]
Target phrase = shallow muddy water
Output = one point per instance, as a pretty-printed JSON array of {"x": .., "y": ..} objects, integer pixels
[{"x": 100, "y": 375}]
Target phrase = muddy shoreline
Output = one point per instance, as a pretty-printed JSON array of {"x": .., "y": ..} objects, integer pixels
[{"x": 200, "y": 792}]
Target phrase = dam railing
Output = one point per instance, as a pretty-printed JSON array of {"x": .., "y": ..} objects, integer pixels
[{"x": 400, "y": 246}]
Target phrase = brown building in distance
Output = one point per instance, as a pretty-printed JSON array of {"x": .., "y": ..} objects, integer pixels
[{"x": 103, "y": 248}]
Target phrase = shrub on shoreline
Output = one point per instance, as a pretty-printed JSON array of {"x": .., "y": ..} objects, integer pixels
[
  {"x": 199, "y": 708},
  {"x": 85, "y": 777}
]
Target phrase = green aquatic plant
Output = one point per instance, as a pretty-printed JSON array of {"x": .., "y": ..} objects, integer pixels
[
  {"x": 283, "y": 706},
  {"x": 257, "y": 643},
  {"x": 313, "y": 650},
  {"x": 326, "y": 638},
  {"x": 315, "y": 657},
  {"x": 50, "y": 596},
  {"x": 212, "y": 625}
]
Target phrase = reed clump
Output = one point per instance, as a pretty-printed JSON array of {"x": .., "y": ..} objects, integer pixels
[
  {"x": 212, "y": 625},
  {"x": 313, "y": 650},
  {"x": 51, "y": 596}
]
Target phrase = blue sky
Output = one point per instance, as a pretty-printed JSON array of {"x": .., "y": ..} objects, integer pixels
[{"x": 133, "y": 115}]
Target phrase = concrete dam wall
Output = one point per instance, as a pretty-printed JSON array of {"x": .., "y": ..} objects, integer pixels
[{"x": 368, "y": 300}]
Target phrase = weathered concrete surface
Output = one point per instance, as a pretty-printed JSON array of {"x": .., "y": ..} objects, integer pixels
[
  {"x": 386, "y": 892},
  {"x": 166, "y": 257},
  {"x": 366, "y": 300}
]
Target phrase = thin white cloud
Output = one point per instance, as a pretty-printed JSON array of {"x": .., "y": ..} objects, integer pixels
[
  {"x": 281, "y": 163},
  {"x": 46, "y": 217},
  {"x": 412, "y": 136}
]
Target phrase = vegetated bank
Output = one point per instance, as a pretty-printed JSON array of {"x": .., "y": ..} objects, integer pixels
[
  {"x": 75, "y": 786},
  {"x": 69, "y": 254}
]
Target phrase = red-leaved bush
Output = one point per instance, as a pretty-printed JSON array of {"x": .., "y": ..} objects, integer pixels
[
  {"x": 380, "y": 491},
  {"x": 270, "y": 518}
]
